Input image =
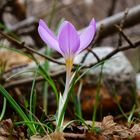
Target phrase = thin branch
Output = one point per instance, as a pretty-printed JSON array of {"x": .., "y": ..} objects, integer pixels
[
  {"x": 121, "y": 26},
  {"x": 30, "y": 50},
  {"x": 124, "y": 48},
  {"x": 124, "y": 35},
  {"x": 107, "y": 24},
  {"x": 94, "y": 54},
  {"x": 74, "y": 136},
  {"x": 115, "y": 51}
]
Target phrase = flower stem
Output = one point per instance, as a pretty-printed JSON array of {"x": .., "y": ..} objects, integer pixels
[
  {"x": 64, "y": 99},
  {"x": 68, "y": 78}
]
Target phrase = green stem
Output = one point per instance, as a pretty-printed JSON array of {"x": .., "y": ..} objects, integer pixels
[
  {"x": 3, "y": 109},
  {"x": 65, "y": 96},
  {"x": 68, "y": 77},
  {"x": 97, "y": 97}
]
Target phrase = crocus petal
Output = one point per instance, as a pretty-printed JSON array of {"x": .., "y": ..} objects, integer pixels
[
  {"x": 87, "y": 36},
  {"x": 68, "y": 39},
  {"x": 48, "y": 39},
  {"x": 43, "y": 24},
  {"x": 93, "y": 23}
]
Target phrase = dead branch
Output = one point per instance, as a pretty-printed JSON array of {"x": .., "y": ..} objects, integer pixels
[
  {"x": 107, "y": 25},
  {"x": 124, "y": 48},
  {"x": 121, "y": 26},
  {"x": 94, "y": 54},
  {"x": 124, "y": 35},
  {"x": 29, "y": 50},
  {"x": 74, "y": 136}
]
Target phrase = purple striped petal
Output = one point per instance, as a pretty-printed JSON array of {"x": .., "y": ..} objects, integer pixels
[
  {"x": 48, "y": 38},
  {"x": 43, "y": 24},
  {"x": 87, "y": 35},
  {"x": 93, "y": 23},
  {"x": 68, "y": 39}
]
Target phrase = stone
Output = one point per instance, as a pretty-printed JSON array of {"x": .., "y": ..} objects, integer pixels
[
  {"x": 134, "y": 57},
  {"x": 118, "y": 82}
]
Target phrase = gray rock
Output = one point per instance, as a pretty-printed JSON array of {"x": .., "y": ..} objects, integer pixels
[
  {"x": 118, "y": 75},
  {"x": 117, "y": 65},
  {"x": 133, "y": 56}
]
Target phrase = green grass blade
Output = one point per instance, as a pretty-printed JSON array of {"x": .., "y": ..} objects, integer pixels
[
  {"x": 50, "y": 81},
  {"x": 76, "y": 100},
  {"x": 32, "y": 96},
  {"x": 35, "y": 123},
  {"x": 131, "y": 114},
  {"x": 3, "y": 108},
  {"x": 17, "y": 108}
]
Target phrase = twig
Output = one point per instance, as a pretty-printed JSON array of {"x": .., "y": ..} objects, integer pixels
[
  {"x": 74, "y": 136},
  {"x": 30, "y": 50},
  {"x": 117, "y": 50},
  {"x": 121, "y": 26},
  {"x": 108, "y": 23},
  {"x": 94, "y": 54},
  {"x": 124, "y": 35},
  {"x": 136, "y": 44},
  {"x": 124, "y": 18}
]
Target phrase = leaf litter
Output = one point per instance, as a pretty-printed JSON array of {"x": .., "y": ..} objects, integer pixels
[{"x": 108, "y": 130}]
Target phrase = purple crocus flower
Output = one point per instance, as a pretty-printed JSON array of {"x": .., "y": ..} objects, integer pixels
[{"x": 68, "y": 42}]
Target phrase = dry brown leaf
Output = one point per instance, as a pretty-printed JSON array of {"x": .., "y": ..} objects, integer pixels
[
  {"x": 38, "y": 137},
  {"x": 136, "y": 129},
  {"x": 108, "y": 122},
  {"x": 7, "y": 131},
  {"x": 56, "y": 136},
  {"x": 122, "y": 131},
  {"x": 52, "y": 136},
  {"x": 107, "y": 125},
  {"x": 12, "y": 58}
]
